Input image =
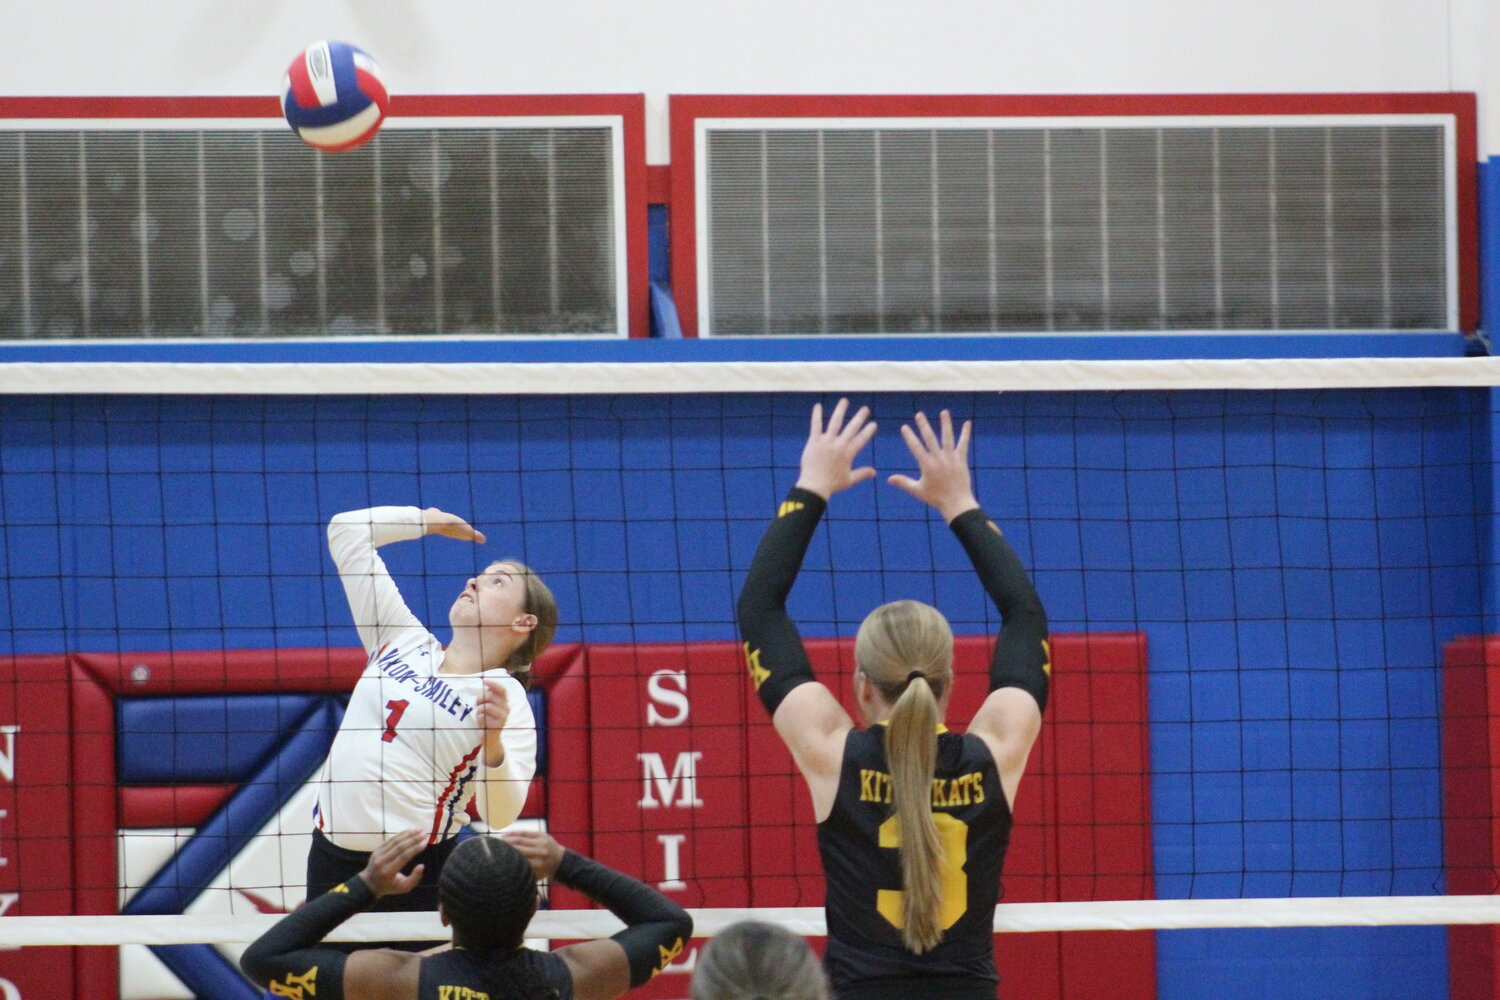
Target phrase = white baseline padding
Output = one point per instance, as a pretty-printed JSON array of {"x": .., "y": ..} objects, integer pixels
[
  {"x": 563, "y": 378},
  {"x": 1122, "y": 915}
]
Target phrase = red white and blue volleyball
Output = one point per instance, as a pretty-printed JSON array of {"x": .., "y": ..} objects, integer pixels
[{"x": 334, "y": 96}]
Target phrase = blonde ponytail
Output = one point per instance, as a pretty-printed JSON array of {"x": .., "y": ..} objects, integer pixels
[
  {"x": 911, "y": 750},
  {"x": 905, "y": 649}
]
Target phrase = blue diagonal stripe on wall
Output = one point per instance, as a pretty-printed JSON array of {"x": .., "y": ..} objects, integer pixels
[
  {"x": 201, "y": 967},
  {"x": 206, "y": 972},
  {"x": 248, "y": 810}
]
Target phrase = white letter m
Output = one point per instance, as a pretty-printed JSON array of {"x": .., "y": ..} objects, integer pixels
[{"x": 654, "y": 777}]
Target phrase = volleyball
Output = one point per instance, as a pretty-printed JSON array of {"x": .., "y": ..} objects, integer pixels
[{"x": 334, "y": 96}]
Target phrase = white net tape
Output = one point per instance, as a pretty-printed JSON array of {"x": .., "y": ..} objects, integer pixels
[
  {"x": 193, "y": 378},
  {"x": 1123, "y": 915}
]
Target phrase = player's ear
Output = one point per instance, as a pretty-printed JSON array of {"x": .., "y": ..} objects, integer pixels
[{"x": 525, "y": 623}]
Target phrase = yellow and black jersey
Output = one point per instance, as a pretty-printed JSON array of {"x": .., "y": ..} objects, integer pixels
[
  {"x": 859, "y": 843},
  {"x": 524, "y": 974}
]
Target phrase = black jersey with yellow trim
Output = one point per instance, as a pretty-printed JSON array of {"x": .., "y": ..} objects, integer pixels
[
  {"x": 859, "y": 843},
  {"x": 524, "y": 974}
]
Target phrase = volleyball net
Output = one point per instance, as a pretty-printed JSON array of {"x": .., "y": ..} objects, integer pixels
[{"x": 1270, "y": 587}]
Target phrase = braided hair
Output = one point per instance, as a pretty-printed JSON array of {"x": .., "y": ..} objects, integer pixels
[{"x": 488, "y": 892}]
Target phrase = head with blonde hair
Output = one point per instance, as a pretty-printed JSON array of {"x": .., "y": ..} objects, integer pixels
[
  {"x": 904, "y": 659},
  {"x": 751, "y": 960}
]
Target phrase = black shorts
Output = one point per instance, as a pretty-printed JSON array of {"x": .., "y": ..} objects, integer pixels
[{"x": 329, "y": 865}]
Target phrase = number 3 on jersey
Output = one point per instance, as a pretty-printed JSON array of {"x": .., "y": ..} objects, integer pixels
[{"x": 954, "y": 833}]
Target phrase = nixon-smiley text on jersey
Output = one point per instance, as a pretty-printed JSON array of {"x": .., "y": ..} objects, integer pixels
[{"x": 389, "y": 659}]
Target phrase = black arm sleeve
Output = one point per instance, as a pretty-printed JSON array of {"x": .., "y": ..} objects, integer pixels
[
  {"x": 288, "y": 955},
  {"x": 1022, "y": 658},
  {"x": 773, "y": 648},
  {"x": 657, "y": 929}
]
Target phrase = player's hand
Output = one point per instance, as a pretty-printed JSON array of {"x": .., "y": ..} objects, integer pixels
[
  {"x": 440, "y": 522},
  {"x": 544, "y": 853},
  {"x": 945, "y": 482},
  {"x": 493, "y": 705},
  {"x": 828, "y": 456},
  {"x": 382, "y": 873}
]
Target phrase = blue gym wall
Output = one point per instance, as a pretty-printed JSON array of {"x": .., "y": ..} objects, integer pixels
[{"x": 1296, "y": 559}]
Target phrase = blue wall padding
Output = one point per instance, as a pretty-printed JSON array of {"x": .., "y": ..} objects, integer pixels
[
  {"x": 659, "y": 245},
  {"x": 250, "y": 808},
  {"x": 207, "y": 973},
  {"x": 1489, "y": 247},
  {"x": 201, "y": 740},
  {"x": 538, "y": 699},
  {"x": 1326, "y": 963}
]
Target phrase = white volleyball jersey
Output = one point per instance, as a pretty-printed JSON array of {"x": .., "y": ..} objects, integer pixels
[{"x": 409, "y": 753}]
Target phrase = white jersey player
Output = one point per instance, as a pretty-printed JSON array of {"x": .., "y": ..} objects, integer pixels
[{"x": 427, "y": 728}]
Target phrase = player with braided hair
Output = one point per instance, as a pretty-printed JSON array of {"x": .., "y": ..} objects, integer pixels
[
  {"x": 487, "y": 893},
  {"x": 474, "y": 889}
]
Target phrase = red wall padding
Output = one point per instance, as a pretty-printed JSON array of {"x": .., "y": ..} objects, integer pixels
[
  {"x": 1084, "y": 807},
  {"x": 58, "y": 833},
  {"x": 37, "y": 877},
  {"x": 661, "y": 762},
  {"x": 149, "y": 807},
  {"x": 1471, "y": 793}
]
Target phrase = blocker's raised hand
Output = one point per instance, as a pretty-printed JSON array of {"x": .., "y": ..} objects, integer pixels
[
  {"x": 945, "y": 482},
  {"x": 382, "y": 873},
  {"x": 539, "y": 849},
  {"x": 828, "y": 456}
]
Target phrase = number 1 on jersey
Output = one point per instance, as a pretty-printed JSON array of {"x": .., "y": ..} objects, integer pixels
[{"x": 397, "y": 709}]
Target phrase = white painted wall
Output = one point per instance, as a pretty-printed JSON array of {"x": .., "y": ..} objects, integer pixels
[{"x": 661, "y": 47}]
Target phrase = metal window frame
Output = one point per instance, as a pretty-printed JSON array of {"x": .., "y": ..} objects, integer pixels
[
  {"x": 623, "y": 115},
  {"x": 694, "y": 116}
]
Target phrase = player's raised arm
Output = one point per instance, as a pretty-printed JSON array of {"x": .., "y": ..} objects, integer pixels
[
  {"x": 291, "y": 960},
  {"x": 374, "y": 600},
  {"x": 1020, "y": 669},
  {"x": 805, "y": 713},
  {"x": 656, "y": 931}
]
